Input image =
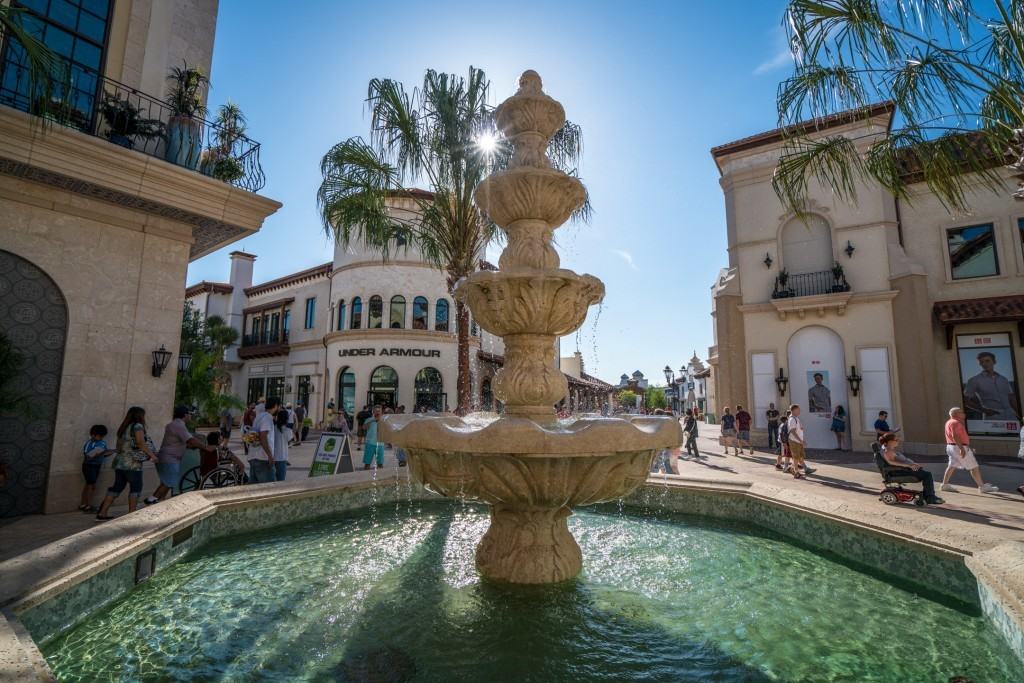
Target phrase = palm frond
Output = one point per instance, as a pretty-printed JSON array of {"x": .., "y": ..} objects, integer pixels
[
  {"x": 815, "y": 89},
  {"x": 832, "y": 161}
]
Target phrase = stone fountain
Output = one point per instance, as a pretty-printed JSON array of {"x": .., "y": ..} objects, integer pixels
[{"x": 528, "y": 466}]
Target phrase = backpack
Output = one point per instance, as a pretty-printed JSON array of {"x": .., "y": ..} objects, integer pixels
[{"x": 784, "y": 432}]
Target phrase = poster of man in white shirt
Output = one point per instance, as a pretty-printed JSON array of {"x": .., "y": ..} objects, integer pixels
[
  {"x": 989, "y": 384},
  {"x": 819, "y": 396}
]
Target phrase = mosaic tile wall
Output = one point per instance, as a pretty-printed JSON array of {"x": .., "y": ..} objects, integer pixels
[{"x": 923, "y": 565}]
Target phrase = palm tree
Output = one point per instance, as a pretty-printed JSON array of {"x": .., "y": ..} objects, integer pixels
[
  {"x": 202, "y": 384},
  {"x": 442, "y": 134},
  {"x": 953, "y": 71},
  {"x": 48, "y": 74}
]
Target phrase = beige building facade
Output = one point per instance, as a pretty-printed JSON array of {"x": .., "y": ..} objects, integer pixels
[
  {"x": 95, "y": 240},
  {"x": 875, "y": 305}
]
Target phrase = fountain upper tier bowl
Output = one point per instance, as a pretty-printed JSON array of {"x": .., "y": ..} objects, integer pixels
[{"x": 549, "y": 302}]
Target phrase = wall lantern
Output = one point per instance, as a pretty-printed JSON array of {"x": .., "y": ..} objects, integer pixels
[
  {"x": 184, "y": 361},
  {"x": 849, "y": 249},
  {"x": 767, "y": 260},
  {"x": 781, "y": 382},
  {"x": 161, "y": 357},
  {"x": 854, "y": 379}
]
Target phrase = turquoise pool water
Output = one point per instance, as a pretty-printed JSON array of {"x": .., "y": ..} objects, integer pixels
[{"x": 393, "y": 596}]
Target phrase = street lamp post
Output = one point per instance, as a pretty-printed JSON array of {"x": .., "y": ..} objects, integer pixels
[{"x": 670, "y": 379}]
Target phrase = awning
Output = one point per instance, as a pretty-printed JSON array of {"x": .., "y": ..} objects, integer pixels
[{"x": 983, "y": 310}]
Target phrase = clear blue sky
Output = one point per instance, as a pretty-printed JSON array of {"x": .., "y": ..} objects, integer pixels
[{"x": 654, "y": 86}]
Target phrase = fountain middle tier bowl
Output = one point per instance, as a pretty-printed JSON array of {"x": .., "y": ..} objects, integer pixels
[
  {"x": 511, "y": 460},
  {"x": 549, "y": 302}
]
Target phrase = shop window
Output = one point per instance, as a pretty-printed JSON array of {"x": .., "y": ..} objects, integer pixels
[
  {"x": 419, "y": 313},
  {"x": 310, "y": 312},
  {"x": 357, "y": 314},
  {"x": 285, "y": 322},
  {"x": 875, "y": 391},
  {"x": 375, "y": 319},
  {"x": 972, "y": 252},
  {"x": 347, "y": 391},
  {"x": 304, "y": 384},
  {"x": 383, "y": 387},
  {"x": 397, "y": 321},
  {"x": 255, "y": 389},
  {"x": 430, "y": 394},
  {"x": 762, "y": 366},
  {"x": 275, "y": 387},
  {"x": 441, "y": 315},
  {"x": 341, "y": 314}
]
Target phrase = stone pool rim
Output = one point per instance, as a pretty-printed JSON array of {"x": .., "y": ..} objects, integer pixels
[{"x": 34, "y": 578}]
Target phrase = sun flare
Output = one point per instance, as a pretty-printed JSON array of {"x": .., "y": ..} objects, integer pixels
[{"x": 487, "y": 143}]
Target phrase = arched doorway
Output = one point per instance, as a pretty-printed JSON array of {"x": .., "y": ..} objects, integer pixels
[
  {"x": 347, "y": 390},
  {"x": 807, "y": 245},
  {"x": 383, "y": 387},
  {"x": 817, "y": 381},
  {"x": 430, "y": 390},
  {"x": 33, "y": 331}
]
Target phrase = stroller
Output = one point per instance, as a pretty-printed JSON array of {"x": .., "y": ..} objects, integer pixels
[{"x": 893, "y": 478}]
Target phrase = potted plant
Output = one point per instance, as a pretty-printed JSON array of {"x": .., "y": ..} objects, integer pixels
[
  {"x": 60, "y": 111},
  {"x": 125, "y": 122},
  {"x": 839, "y": 279},
  {"x": 185, "y": 126},
  {"x": 219, "y": 160}
]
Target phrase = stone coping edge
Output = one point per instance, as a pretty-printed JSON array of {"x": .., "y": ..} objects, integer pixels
[{"x": 69, "y": 561}]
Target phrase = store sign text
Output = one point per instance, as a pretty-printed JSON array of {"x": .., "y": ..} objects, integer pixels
[{"x": 416, "y": 353}]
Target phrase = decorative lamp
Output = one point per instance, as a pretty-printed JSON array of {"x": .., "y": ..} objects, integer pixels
[
  {"x": 854, "y": 379},
  {"x": 781, "y": 382},
  {"x": 849, "y": 249},
  {"x": 767, "y": 260},
  {"x": 669, "y": 375},
  {"x": 184, "y": 361},
  {"x": 161, "y": 357}
]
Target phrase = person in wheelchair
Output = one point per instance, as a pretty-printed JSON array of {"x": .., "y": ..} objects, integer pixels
[
  {"x": 225, "y": 456},
  {"x": 898, "y": 465}
]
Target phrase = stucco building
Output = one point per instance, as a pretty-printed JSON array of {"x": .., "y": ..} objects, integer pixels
[
  {"x": 96, "y": 232},
  {"x": 879, "y": 305}
]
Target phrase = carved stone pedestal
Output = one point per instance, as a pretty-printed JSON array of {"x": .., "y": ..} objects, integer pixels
[{"x": 529, "y": 545}]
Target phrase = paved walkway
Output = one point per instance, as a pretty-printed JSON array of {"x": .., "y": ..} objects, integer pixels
[
  {"x": 852, "y": 476},
  {"x": 847, "y": 476}
]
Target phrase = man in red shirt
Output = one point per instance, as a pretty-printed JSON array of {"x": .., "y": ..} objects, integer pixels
[
  {"x": 743, "y": 419},
  {"x": 960, "y": 453}
]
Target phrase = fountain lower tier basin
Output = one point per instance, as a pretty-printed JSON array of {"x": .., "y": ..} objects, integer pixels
[
  {"x": 531, "y": 476},
  {"x": 390, "y": 593}
]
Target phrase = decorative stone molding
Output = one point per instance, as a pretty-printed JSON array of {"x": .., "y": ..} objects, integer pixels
[{"x": 817, "y": 305}]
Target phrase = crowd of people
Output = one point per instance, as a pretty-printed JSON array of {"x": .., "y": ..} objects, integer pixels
[{"x": 787, "y": 439}]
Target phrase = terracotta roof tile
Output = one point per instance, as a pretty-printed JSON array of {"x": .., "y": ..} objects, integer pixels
[{"x": 996, "y": 308}]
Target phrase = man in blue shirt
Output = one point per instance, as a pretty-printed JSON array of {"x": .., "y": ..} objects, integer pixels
[
  {"x": 882, "y": 424},
  {"x": 372, "y": 448}
]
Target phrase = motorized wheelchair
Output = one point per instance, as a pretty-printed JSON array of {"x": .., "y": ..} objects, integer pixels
[{"x": 894, "y": 477}]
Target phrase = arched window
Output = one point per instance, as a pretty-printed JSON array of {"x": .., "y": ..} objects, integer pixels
[
  {"x": 419, "y": 313},
  {"x": 341, "y": 314},
  {"x": 397, "y": 312},
  {"x": 375, "y": 317},
  {"x": 486, "y": 396},
  {"x": 357, "y": 314},
  {"x": 441, "y": 315},
  {"x": 347, "y": 391},
  {"x": 429, "y": 390},
  {"x": 383, "y": 387}
]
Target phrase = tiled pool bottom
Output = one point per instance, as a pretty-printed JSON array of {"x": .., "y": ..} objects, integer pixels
[{"x": 392, "y": 589}]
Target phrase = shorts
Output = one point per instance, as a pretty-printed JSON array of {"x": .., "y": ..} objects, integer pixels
[
  {"x": 729, "y": 432},
  {"x": 965, "y": 463},
  {"x": 91, "y": 470},
  {"x": 786, "y": 451},
  {"x": 122, "y": 478},
  {"x": 170, "y": 473},
  {"x": 744, "y": 435},
  {"x": 797, "y": 452}
]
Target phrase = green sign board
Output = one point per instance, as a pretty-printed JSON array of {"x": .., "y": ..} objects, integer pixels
[{"x": 333, "y": 455}]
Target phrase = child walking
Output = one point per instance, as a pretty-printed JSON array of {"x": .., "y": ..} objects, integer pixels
[{"x": 94, "y": 453}]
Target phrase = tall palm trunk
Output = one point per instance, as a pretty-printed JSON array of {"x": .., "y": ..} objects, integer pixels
[{"x": 463, "y": 384}]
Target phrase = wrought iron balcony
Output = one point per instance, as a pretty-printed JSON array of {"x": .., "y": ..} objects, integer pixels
[
  {"x": 810, "y": 284},
  {"x": 132, "y": 119}
]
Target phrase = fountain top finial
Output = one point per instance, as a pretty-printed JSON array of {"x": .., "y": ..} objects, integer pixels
[{"x": 530, "y": 82}]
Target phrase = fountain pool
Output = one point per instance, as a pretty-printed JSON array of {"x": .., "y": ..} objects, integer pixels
[{"x": 391, "y": 593}]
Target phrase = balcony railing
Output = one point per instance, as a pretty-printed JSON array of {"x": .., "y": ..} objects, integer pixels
[
  {"x": 265, "y": 338},
  {"x": 810, "y": 284},
  {"x": 129, "y": 118}
]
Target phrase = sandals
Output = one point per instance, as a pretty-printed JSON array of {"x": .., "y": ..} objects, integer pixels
[{"x": 104, "y": 518}]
